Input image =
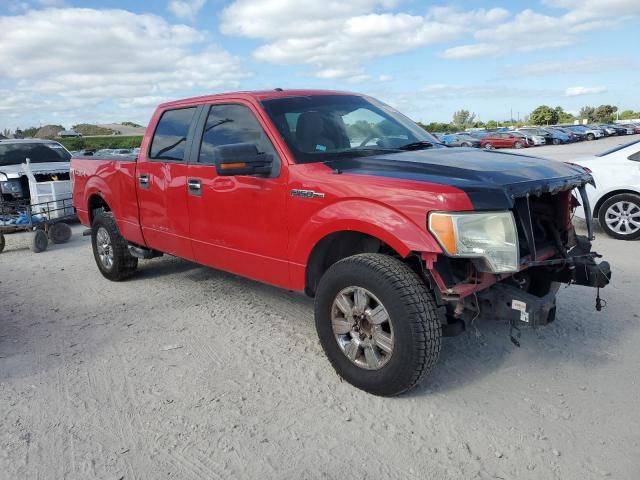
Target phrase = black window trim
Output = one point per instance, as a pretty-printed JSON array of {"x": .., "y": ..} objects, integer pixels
[
  {"x": 190, "y": 135},
  {"x": 194, "y": 157}
]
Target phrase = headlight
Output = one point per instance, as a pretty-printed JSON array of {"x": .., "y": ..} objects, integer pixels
[
  {"x": 491, "y": 237},
  {"x": 11, "y": 187}
]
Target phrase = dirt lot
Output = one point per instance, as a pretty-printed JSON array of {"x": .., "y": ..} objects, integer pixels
[{"x": 189, "y": 373}]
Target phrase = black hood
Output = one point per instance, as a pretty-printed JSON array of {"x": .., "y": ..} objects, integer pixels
[{"x": 492, "y": 180}]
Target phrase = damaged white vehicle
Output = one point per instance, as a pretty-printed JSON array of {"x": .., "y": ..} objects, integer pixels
[{"x": 48, "y": 162}]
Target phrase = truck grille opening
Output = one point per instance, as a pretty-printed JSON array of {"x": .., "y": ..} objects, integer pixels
[{"x": 543, "y": 221}]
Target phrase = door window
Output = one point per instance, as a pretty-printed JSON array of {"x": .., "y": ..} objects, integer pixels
[
  {"x": 231, "y": 124},
  {"x": 170, "y": 138}
]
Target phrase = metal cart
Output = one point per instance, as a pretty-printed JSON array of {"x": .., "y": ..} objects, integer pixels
[{"x": 47, "y": 220}]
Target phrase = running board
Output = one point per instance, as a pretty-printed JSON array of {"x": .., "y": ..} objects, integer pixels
[{"x": 143, "y": 253}]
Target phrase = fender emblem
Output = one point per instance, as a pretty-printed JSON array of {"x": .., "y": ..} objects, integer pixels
[{"x": 306, "y": 194}]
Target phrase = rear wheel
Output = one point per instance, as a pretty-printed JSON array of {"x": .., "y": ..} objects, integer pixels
[
  {"x": 556, "y": 141},
  {"x": 591, "y": 136},
  {"x": 59, "y": 233},
  {"x": 517, "y": 145},
  {"x": 488, "y": 146},
  {"x": 377, "y": 323},
  {"x": 110, "y": 249},
  {"x": 619, "y": 216}
]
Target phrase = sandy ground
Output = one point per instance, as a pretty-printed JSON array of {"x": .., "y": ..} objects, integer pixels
[{"x": 186, "y": 372}]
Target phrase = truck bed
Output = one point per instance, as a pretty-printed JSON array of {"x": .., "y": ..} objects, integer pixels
[{"x": 109, "y": 177}]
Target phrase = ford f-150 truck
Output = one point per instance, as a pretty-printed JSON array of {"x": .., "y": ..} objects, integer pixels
[{"x": 400, "y": 239}]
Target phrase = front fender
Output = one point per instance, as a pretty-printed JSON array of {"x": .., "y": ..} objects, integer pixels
[{"x": 364, "y": 216}]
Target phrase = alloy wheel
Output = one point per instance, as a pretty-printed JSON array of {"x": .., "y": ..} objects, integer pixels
[
  {"x": 362, "y": 328},
  {"x": 623, "y": 217},
  {"x": 104, "y": 247}
]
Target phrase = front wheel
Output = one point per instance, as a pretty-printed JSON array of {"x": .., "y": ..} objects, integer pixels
[
  {"x": 517, "y": 145},
  {"x": 110, "y": 248},
  {"x": 619, "y": 216},
  {"x": 591, "y": 136},
  {"x": 488, "y": 146},
  {"x": 377, "y": 323}
]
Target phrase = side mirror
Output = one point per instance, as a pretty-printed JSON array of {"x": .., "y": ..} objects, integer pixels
[{"x": 242, "y": 159}]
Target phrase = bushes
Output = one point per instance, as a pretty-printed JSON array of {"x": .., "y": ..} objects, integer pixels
[
  {"x": 100, "y": 142},
  {"x": 89, "y": 129}
]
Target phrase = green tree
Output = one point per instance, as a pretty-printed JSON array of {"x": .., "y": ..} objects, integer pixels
[
  {"x": 587, "y": 113},
  {"x": 544, "y": 115},
  {"x": 463, "y": 118},
  {"x": 564, "y": 117},
  {"x": 439, "y": 127},
  {"x": 629, "y": 115},
  {"x": 492, "y": 124},
  {"x": 605, "y": 113},
  {"x": 30, "y": 132}
]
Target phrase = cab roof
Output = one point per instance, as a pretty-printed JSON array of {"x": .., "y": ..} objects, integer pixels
[{"x": 257, "y": 95}]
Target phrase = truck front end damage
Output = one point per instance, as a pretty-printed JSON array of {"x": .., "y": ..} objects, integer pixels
[{"x": 547, "y": 252}]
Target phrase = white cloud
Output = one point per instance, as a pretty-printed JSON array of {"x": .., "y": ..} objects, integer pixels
[
  {"x": 336, "y": 38},
  {"x": 471, "y": 51},
  {"x": 530, "y": 31},
  {"x": 439, "y": 91},
  {"x": 121, "y": 59},
  {"x": 186, "y": 8},
  {"x": 570, "y": 66},
  {"x": 576, "y": 91}
]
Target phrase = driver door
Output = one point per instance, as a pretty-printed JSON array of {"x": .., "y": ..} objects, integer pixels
[{"x": 238, "y": 223}]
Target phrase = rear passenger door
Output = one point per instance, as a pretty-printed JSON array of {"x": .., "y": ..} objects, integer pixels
[
  {"x": 161, "y": 183},
  {"x": 238, "y": 223}
]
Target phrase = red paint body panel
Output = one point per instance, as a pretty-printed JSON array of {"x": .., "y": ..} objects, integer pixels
[{"x": 251, "y": 225}]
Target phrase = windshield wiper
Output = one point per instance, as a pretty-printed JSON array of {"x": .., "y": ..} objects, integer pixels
[{"x": 416, "y": 145}]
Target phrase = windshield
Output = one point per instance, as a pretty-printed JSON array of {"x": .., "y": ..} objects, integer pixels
[
  {"x": 16, "y": 153},
  {"x": 321, "y": 128}
]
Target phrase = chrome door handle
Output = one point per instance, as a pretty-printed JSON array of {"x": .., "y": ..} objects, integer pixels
[
  {"x": 144, "y": 181},
  {"x": 195, "y": 186}
]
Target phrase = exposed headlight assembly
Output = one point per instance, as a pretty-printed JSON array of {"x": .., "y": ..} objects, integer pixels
[
  {"x": 490, "y": 237},
  {"x": 12, "y": 187}
]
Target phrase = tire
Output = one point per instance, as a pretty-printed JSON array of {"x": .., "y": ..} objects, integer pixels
[
  {"x": 556, "y": 141},
  {"x": 465, "y": 144},
  {"x": 616, "y": 215},
  {"x": 413, "y": 331},
  {"x": 39, "y": 241},
  {"x": 488, "y": 146},
  {"x": 59, "y": 233},
  {"x": 591, "y": 136},
  {"x": 110, "y": 249},
  {"x": 517, "y": 145},
  {"x": 2, "y": 242}
]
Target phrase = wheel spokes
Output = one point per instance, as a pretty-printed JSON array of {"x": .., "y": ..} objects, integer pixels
[
  {"x": 383, "y": 340},
  {"x": 360, "y": 300},
  {"x": 351, "y": 349},
  {"x": 372, "y": 357},
  {"x": 344, "y": 304},
  {"x": 341, "y": 326},
  {"x": 378, "y": 315}
]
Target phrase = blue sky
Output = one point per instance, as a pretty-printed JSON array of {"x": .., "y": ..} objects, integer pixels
[{"x": 66, "y": 61}]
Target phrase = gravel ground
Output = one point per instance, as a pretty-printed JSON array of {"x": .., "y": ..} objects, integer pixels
[{"x": 189, "y": 373}]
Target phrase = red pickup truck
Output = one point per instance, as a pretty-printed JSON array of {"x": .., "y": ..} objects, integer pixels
[{"x": 400, "y": 239}]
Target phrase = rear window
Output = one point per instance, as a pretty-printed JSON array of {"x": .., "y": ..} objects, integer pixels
[
  {"x": 170, "y": 138},
  {"x": 17, "y": 153},
  {"x": 618, "y": 147}
]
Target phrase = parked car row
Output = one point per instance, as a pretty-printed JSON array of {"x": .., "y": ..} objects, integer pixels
[
  {"x": 106, "y": 152},
  {"x": 535, "y": 136}
]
